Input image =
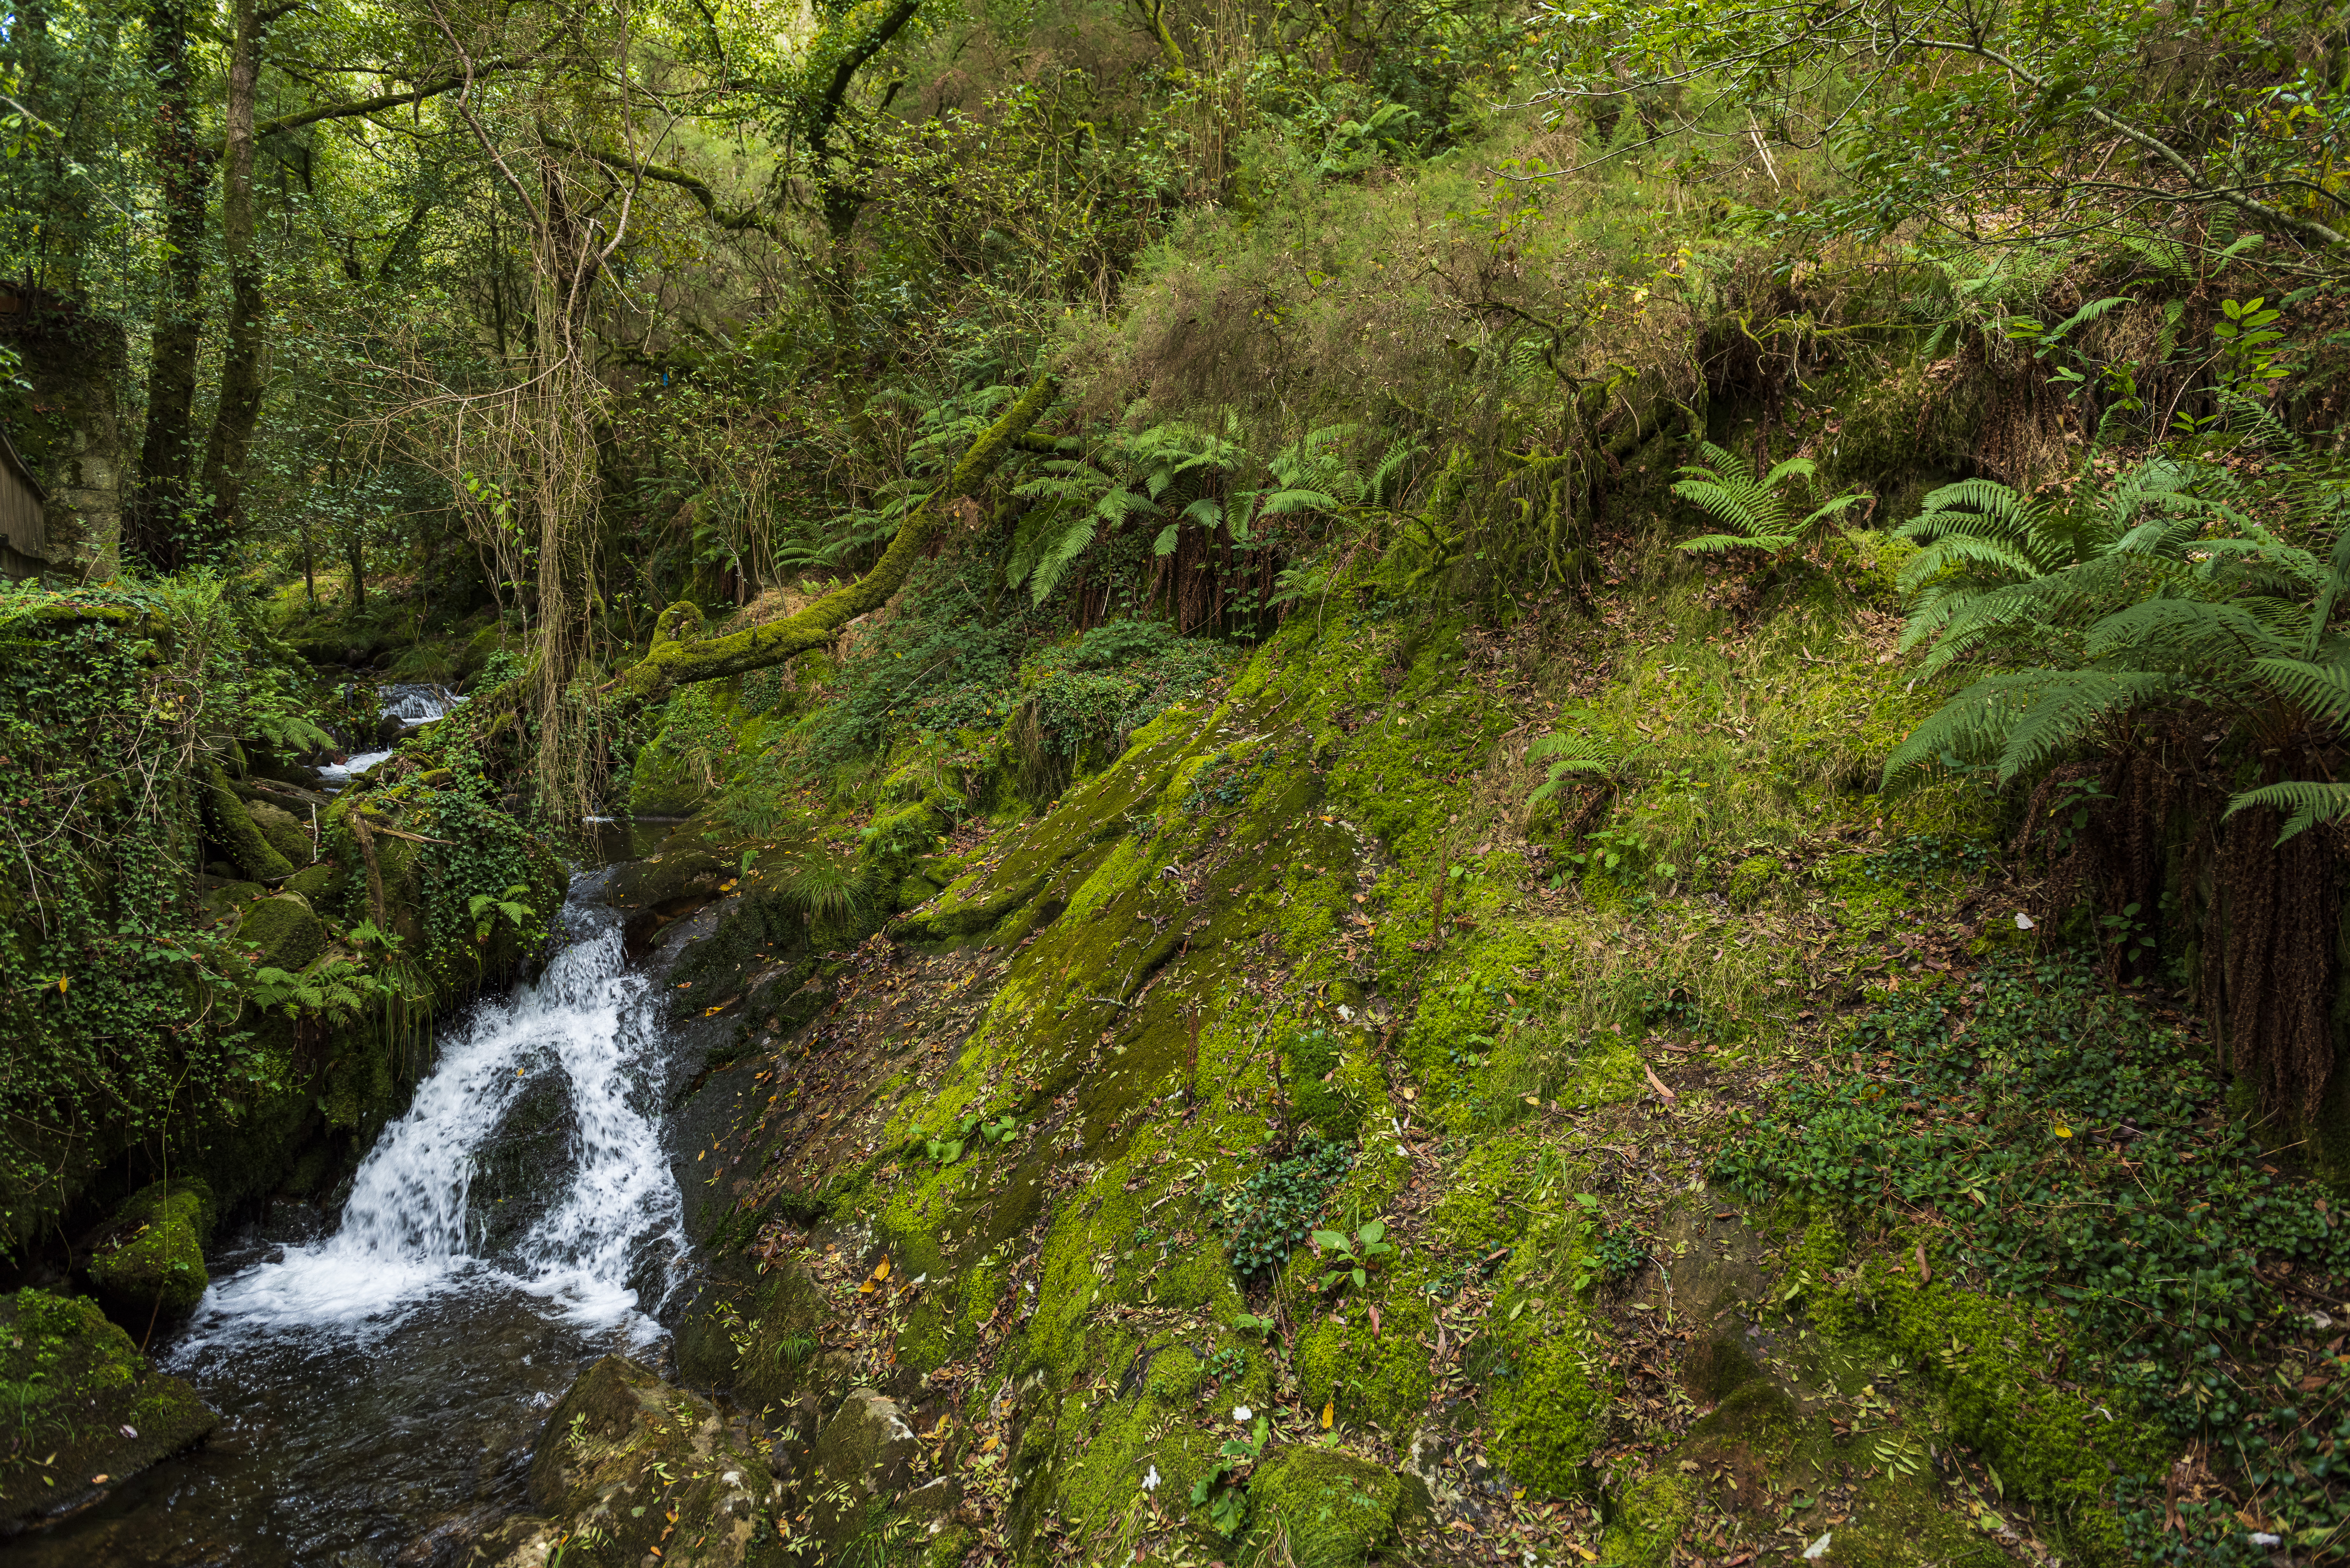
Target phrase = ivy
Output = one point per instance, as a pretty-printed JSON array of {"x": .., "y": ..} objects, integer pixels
[{"x": 2075, "y": 1145}]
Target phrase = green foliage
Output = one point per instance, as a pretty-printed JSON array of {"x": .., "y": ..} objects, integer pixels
[
  {"x": 1757, "y": 514},
  {"x": 2200, "y": 607},
  {"x": 946, "y": 1146},
  {"x": 2077, "y": 1152},
  {"x": 1571, "y": 759},
  {"x": 1220, "y": 1489},
  {"x": 1272, "y": 1210},
  {"x": 1352, "y": 1259},
  {"x": 110, "y": 975}
]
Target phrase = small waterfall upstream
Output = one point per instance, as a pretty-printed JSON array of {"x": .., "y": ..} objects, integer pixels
[
  {"x": 412, "y": 704},
  {"x": 380, "y": 1383}
]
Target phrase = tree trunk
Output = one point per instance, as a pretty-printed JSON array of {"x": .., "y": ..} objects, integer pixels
[
  {"x": 162, "y": 506},
  {"x": 674, "y": 662},
  {"x": 356, "y": 550},
  {"x": 231, "y": 445}
]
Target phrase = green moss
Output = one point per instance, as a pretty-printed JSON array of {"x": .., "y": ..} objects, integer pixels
[
  {"x": 1319, "y": 1508},
  {"x": 1542, "y": 1402},
  {"x": 1380, "y": 1378},
  {"x": 284, "y": 834},
  {"x": 893, "y": 845},
  {"x": 84, "y": 1403},
  {"x": 284, "y": 930},
  {"x": 153, "y": 1258},
  {"x": 1649, "y": 1521},
  {"x": 228, "y": 821}
]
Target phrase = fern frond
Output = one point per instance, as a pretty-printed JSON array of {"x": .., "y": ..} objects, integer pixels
[
  {"x": 1713, "y": 543},
  {"x": 2322, "y": 689},
  {"x": 2186, "y": 634},
  {"x": 2308, "y": 801}
]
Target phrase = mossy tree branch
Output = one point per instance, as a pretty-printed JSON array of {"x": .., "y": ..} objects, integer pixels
[{"x": 674, "y": 662}]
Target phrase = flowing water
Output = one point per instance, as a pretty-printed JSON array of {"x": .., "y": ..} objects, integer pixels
[
  {"x": 412, "y": 705},
  {"x": 379, "y": 1384}
]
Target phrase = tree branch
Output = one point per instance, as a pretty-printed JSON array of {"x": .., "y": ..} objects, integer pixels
[
  {"x": 747, "y": 217},
  {"x": 388, "y": 100},
  {"x": 2307, "y": 229}
]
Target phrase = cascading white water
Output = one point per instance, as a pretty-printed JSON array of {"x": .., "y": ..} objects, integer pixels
[
  {"x": 415, "y": 704},
  {"x": 411, "y": 704},
  {"x": 406, "y": 1235}
]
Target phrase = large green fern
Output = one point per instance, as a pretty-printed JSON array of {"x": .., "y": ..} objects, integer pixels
[{"x": 2158, "y": 591}]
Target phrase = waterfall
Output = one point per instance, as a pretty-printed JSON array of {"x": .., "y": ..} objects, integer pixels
[
  {"x": 412, "y": 705},
  {"x": 407, "y": 1232}
]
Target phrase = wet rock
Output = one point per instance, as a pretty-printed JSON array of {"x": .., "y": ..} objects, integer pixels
[
  {"x": 86, "y": 1398},
  {"x": 149, "y": 1263},
  {"x": 628, "y": 1467}
]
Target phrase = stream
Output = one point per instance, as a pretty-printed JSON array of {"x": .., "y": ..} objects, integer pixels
[{"x": 380, "y": 1384}]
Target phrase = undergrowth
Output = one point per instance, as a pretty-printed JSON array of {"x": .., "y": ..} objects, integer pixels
[{"x": 2073, "y": 1145}]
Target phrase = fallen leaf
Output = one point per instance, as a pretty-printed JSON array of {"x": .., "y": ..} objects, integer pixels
[
  {"x": 1658, "y": 1084},
  {"x": 882, "y": 1269},
  {"x": 1329, "y": 1410},
  {"x": 1925, "y": 1274}
]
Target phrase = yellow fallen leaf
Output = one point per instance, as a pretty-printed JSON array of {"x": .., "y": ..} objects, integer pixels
[
  {"x": 2063, "y": 1131},
  {"x": 1329, "y": 1409},
  {"x": 988, "y": 1447},
  {"x": 1587, "y": 1555},
  {"x": 882, "y": 1269},
  {"x": 97, "y": 1481}
]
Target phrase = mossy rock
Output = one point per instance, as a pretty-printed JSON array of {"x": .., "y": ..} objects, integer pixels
[
  {"x": 153, "y": 1261},
  {"x": 476, "y": 654},
  {"x": 316, "y": 884},
  {"x": 285, "y": 931},
  {"x": 285, "y": 832},
  {"x": 1329, "y": 1509},
  {"x": 893, "y": 845},
  {"x": 228, "y": 822},
  {"x": 85, "y": 1398},
  {"x": 622, "y": 1456},
  {"x": 1649, "y": 1521}
]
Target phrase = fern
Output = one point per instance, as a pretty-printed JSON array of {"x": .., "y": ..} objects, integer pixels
[
  {"x": 1571, "y": 757},
  {"x": 2306, "y": 803},
  {"x": 1758, "y": 516}
]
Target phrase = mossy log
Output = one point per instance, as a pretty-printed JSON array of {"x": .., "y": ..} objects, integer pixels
[{"x": 674, "y": 662}]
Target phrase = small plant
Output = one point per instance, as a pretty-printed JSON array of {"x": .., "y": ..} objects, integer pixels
[
  {"x": 1573, "y": 759},
  {"x": 1274, "y": 1210},
  {"x": 946, "y": 1146},
  {"x": 1754, "y": 509},
  {"x": 1352, "y": 1259},
  {"x": 484, "y": 908},
  {"x": 795, "y": 1348},
  {"x": 1607, "y": 1253},
  {"x": 1220, "y": 1490},
  {"x": 1228, "y": 1365},
  {"x": 1249, "y": 1323}
]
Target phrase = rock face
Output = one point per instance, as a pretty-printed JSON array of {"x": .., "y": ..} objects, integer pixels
[
  {"x": 631, "y": 1470},
  {"x": 88, "y": 1412}
]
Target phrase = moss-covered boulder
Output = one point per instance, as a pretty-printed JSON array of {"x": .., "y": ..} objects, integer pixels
[
  {"x": 283, "y": 831},
  {"x": 233, "y": 828},
  {"x": 631, "y": 1470},
  {"x": 284, "y": 929},
  {"x": 151, "y": 1259},
  {"x": 1319, "y": 1508},
  {"x": 86, "y": 1402}
]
